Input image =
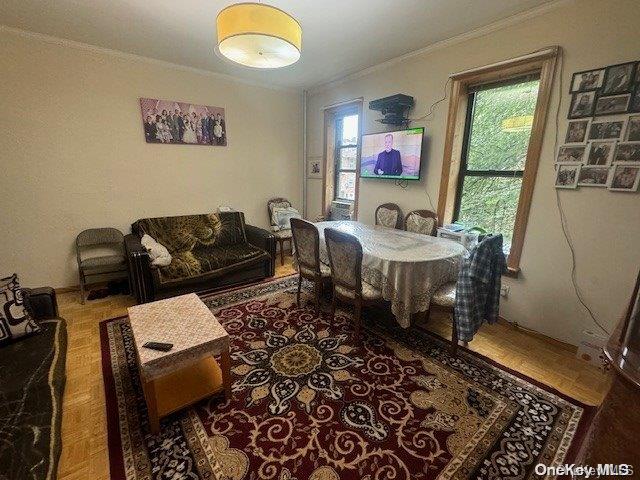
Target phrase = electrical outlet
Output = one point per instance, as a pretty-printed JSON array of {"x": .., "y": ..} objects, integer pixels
[{"x": 504, "y": 291}]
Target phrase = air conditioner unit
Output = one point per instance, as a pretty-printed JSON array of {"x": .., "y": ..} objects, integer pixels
[{"x": 341, "y": 210}]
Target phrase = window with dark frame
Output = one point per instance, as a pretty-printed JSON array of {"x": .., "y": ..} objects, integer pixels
[
  {"x": 346, "y": 155},
  {"x": 497, "y": 130}
]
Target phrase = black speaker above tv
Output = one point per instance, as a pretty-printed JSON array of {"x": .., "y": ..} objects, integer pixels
[{"x": 393, "y": 108}]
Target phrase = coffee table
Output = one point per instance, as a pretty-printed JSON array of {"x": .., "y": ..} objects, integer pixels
[{"x": 188, "y": 372}]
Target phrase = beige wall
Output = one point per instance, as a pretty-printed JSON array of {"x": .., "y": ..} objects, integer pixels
[
  {"x": 73, "y": 153},
  {"x": 605, "y": 226}
]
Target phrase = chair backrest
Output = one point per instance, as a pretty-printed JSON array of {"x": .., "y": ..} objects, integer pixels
[
  {"x": 306, "y": 240},
  {"x": 389, "y": 215},
  {"x": 99, "y": 236},
  {"x": 273, "y": 203},
  {"x": 345, "y": 259},
  {"x": 106, "y": 238},
  {"x": 421, "y": 221}
]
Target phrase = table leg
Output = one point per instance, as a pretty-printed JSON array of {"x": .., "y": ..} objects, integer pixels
[
  {"x": 225, "y": 360},
  {"x": 152, "y": 407}
]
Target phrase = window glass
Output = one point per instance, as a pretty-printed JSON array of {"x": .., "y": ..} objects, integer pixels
[
  {"x": 501, "y": 126},
  {"x": 346, "y": 185}
]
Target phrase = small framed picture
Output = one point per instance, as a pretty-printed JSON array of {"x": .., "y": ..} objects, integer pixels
[
  {"x": 601, "y": 152},
  {"x": 634, "y": 105},
  {"x": 625, "y": 178},
  {"x": 567, "y": 175},
  {"x": 314, "y": 168},
  {"x": 577, "y": 131},
  {"x": 587, "y": 80},
  {"x": 627, "y": 152},
  {"x": 612, "y": 105},
  {"x": 607, "y": 129},
  {"x": 592, "y": 176},
  {"x": 571, "y": 154},
  {"x": 618, "y": 78},
  {"x": 633, "y": 129},
  {"x": 582, "y": 104}
]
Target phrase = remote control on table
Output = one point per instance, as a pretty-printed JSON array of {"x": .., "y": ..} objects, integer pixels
[{"x": 163, "y": 347}]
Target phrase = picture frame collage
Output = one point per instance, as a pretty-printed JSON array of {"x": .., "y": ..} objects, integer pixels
[{"x": 602, "y": 143}]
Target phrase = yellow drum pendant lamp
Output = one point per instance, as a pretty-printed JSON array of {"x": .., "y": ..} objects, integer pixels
[{"x": 258, "y": 35}]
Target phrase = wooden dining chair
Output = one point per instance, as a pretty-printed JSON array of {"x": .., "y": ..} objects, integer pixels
[
  {"x": 282, "y": 236},
  {"x": 307, "y": 252},
  {"x": 345, "y": 260},
  {"x": 421, "y": 221},
  {"x": 389, "y": 215},
  {"x": 445, "y": 298}
]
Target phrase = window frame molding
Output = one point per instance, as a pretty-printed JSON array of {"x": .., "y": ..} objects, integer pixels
[
  {"x": 329, "y": 153},
  {"x": 542, "y": 63}
]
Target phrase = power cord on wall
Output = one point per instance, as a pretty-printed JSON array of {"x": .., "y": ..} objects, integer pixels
[
  {"x": 405, "y": 183},
  {"x": 563, "y": 217}
]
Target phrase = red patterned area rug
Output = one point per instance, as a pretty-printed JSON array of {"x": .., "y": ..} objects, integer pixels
[{"x": 308, "y": 403}]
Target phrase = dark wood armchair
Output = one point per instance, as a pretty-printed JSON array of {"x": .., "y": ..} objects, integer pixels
[
  {"x": 389, "y": 215},
  {"x": 282, "y": 236},
  {"x": 345, "y": 260}
]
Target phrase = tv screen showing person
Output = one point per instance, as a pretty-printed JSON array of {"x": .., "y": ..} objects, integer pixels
[
  {"x": 392, "y": 154},
  {"x": 389, "y": 161}
]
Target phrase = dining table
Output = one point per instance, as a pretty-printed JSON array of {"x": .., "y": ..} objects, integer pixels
[{"x": 406, "y": 267}]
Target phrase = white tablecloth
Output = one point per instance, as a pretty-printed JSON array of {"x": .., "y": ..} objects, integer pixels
[{"x": 406, "y": 267}]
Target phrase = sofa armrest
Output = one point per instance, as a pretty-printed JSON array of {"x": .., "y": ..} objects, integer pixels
[
  {"x": 139, "y": 265},
  {"x": 40, "y": 302},
  {"x": 261, "y": 238}
]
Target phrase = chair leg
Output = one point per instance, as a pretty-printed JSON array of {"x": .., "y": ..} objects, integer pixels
[
  {"x": 358, "y": 320},
  {"x": 299, "y": 288},
  {"x": 281, "y": 252},
  {"x": 333, "y": 308},
  {"x": 81, "y": 287},
  {"x": 318, "y": 293},
  {"x": 454, "y": 335}
]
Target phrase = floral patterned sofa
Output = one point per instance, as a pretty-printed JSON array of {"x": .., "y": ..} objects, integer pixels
[{"x": 208, "y": 251}]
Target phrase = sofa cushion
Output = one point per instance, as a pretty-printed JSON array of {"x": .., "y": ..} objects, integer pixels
[
  {"x": 32, "y": 378},
  {"x": 211, "y": 259},
  {"x": 15, "y": 320},
  {"x": 219, "y": 257}
]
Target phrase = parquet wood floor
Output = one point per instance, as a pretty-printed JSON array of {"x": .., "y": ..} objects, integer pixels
[{"x": 84, "y": 427}]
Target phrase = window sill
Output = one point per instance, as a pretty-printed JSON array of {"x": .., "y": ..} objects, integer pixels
[{"x": 512, "y": 272}]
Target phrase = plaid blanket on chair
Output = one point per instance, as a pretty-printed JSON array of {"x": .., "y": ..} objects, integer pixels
[{"x": 478, "y": 287}]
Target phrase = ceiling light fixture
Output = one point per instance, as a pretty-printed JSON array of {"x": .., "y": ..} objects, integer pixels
[{"x": 258, "y": 35}]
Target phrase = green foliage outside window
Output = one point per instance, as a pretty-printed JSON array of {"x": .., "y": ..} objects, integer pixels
[{"x": 499, "y": 138}]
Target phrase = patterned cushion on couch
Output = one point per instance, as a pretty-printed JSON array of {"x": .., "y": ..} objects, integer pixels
[{"x": 15, "y": 321}]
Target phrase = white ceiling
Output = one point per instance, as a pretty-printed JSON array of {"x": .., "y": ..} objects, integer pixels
[{"x": 339, "y": 36}]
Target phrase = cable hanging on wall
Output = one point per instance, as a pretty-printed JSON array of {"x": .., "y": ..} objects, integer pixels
[{"x": 563, "y": 218}]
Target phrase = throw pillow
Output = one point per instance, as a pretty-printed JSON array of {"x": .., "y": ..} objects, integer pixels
[
  {"x": 15, "y": 320},
  {"x": 160, "y": 256},
  {"x": 419, "y": 224},
  {"x": 283, "y": 216}
]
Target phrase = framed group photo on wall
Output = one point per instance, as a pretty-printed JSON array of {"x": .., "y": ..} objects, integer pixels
[{"x": 174, "y": 122}]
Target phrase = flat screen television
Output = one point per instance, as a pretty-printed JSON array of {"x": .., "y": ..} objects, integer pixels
[{"x": 393, "y": 155}]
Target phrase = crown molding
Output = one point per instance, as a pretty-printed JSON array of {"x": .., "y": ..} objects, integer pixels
[
  {"x": 478, "y": 32},
  {"x": 63, "y": 42}
]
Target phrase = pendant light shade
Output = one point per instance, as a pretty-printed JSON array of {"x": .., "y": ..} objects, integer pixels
[{"x": 258, "y": 35}]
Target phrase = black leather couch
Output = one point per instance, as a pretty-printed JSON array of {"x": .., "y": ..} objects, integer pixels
[
  {"x": 32, "y": 379},
  {"x": 246, "y": 255}
]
